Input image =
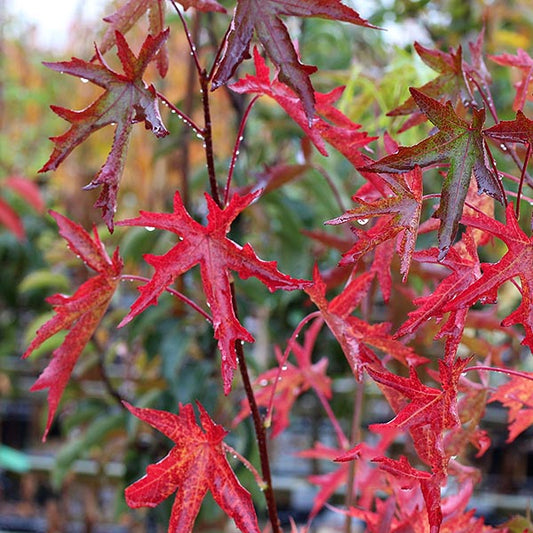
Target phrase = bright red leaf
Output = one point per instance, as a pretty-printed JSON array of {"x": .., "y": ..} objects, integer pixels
[
  {"x": 428, "y": 414},
  {"x": 337, "y": 129},
  {"x": 401, "y": 212},
  {"x": 80, "y": 313},
  {"x": 463, "y": 261},
  {"x": 354, "y": 335},
  {"x": 515, "y": 263},
  {"x": 126, "y": 100},
  {"x": 197, "y": 463},
  {"x": 517, "y": 396},
  {"x": 217, "y": 256},
  {"x": 263, "y": 17},
  {"x": 524, "y": 62},
  {"x": 458, "y": 143}
]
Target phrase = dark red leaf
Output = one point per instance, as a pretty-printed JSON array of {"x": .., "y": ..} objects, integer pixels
[
  {"x": 263, "y": 17},
  {"x": 461, "y": 145},
  {"x": 126, "y": 100}
]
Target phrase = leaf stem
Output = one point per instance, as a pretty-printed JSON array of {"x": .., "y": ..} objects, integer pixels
[
  {"x": 186, "y": 118},
  {"x": 260, "y": 432},
  {"x": 507, "y": 371},
  {"x": 238, "y": 140},
  {"x": 192, "y": 46},
  {"x": 258, "y": 479},
  {"x": 110, "y": 388},
  {"x": 521, "y": 184}
]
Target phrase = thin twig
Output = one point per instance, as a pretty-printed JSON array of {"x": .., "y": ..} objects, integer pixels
[
  {"x": 238, "y": 140},
  {"x": 190, "y": 40},
  {"x": 110, "y": 388}
]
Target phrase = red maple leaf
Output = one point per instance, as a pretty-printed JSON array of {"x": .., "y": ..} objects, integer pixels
[
  {"x": 124, "y": 18},
  {"x": 126, "y": 100},
  {"x": 515, "y": 263},
  {"x": 197, "y": 463},
  {"x": 519, "y": 130},
  {"x": 290, "y": 381},
  {"x": 428, "y": 414},
  {"x": 463, "y": 261},
  {"x": 401, "y": 215},
  {"x": 338, "y": 129},
  {"x": 424, "y": 411},
  {"x": 217, "y": 255},
  {"x": 524, "y": 62},
  {"x": 263, "y": 16},
  {"x": 517, "y": 396},
  {"x": 80, "y": 313},
  {"x": 459, "y": 143},
  {"x": 354, "y": 334}
]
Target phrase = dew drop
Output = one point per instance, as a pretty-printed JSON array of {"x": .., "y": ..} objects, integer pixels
[
  {"x": 199, "y": 136},
  {"x": 284, "y": 367},
  {"x": 84, "y": 80},
  {"x": 362, "y": 221},
  {"x": 503, "y": 147},
  {"x": 149, "y": 228},
  {"x": 173, "y": 111},
  {"x": 263, "y": 382}
]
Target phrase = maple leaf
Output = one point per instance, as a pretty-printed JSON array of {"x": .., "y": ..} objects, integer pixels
[
  {"x": 517, "y": 396},
  {"x": 403, "y": 207},
  {"x": 353, "y": 334},
  {"x": 126, "y": 100},
  {"x": 519, "y": 130},
  {"x": 524, "y": 62},
  {"x": 426, "y": 412},
  {"x": 197, "y": 463},
  {"x": 80, "y": 313},
  {"x": 463, "y": 261},
  {"x": 217, "y": 255},
  {"x": 290, "y": 381},
  {"x": 263, "y": 16},
  {"x": 515, "y": 263},
  {"x": 338, "y": 130},
  {"x": 124, "y": 18},
  {"x": 459, "y": 143}
]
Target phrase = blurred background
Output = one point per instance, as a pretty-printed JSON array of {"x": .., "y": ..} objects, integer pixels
[{"x": 74, "y": 481}]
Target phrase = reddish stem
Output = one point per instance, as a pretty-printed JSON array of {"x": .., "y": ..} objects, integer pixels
[
  {"x": 502, "y": 370},
  {"x": 235, "y": 154},
  {"x": 258, "y": 479},
  {"x": 186, "y": 118}
]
